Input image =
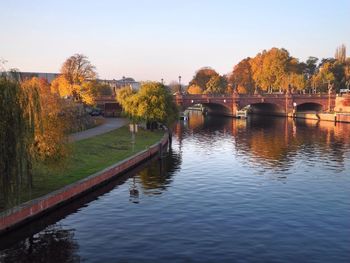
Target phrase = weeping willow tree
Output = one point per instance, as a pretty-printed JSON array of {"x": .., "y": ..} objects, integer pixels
[{"x": 19, "y": 110}]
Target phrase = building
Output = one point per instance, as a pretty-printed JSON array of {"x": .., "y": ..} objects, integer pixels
[
  {"x": 48, "y": 76},
  {"x": 117, "y": 84}
]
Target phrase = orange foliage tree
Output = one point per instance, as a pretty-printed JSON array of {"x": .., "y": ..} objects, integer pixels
[
  {"x": 242, "y": 78},
  {"x": 194, "y": 89},
  {"x": 49, "y": 132}
]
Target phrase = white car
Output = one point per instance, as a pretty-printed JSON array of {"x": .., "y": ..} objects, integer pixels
[{"x": 344, "y": 91}]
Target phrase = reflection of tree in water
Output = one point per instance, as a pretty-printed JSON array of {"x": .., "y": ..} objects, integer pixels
[
  {"x": 273, "y": 142},
  {"x": 267, "y": 139},
  {"x": 54, "y": 244},
  {"x": 326, "y": 137},
  {"x": 156, "y": 177}
]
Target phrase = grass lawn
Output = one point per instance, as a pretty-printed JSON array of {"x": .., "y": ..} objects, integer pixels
[{"x": 87, "y": 157}]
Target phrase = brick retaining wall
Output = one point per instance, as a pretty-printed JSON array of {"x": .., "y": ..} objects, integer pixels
[
  {"x": 25, "y": 212},
  {"x": 338, "y": 117}
]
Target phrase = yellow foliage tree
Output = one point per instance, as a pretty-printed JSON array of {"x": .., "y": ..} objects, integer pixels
[
  {"x": 194, "y": 89},
  {"x": 242, "y": 89},
  {"x": 61, "y": 87},
  {"x": 77, "y": 80},
  {"x": 270, "y": 68}
]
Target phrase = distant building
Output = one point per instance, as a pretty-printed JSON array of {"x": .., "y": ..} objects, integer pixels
[
  {"x": 117, "y": 84},
  {"x": 48, "y": 76}
]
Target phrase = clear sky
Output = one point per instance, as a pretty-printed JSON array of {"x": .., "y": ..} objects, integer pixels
[{"x": 155, "y": 39}]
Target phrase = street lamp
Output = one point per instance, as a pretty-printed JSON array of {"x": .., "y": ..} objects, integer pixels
[
  {"x": 180, "y": 84},
  {"x": 162, "y": 80}
]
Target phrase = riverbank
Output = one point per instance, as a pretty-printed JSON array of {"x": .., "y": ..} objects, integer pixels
[{"x": 82, "y": 171}]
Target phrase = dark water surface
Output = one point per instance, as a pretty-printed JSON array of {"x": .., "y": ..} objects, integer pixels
[{"x": 261, "y": 190}]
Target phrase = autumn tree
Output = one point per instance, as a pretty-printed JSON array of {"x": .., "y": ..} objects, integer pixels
[
  {"x": 269, "y": 68},
  {"x": 347, "y": 73},
  {"x": 194, "y": 89},
  {"x": 216, "y": 85},
  {"x": 275, "y": 70},
  {"x": 324, "y": 77},
  {"x": 202, "y": 77},
  {"x": 50, "y": 126},
  {"x": 78, "y": 69},
  {"x": 78, "y": 77},
  {"x": 242, "y": 77}
]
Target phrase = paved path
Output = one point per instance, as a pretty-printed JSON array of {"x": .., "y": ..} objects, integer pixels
[{"x": 110, "y": 124}]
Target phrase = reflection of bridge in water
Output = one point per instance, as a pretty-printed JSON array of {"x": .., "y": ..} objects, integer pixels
[{"x": 277, "y": 104}]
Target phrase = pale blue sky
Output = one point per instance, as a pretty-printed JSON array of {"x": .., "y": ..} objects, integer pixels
[{"x": 155, "y": 39}]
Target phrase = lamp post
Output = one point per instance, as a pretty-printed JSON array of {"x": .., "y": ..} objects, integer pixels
[
  {"x": 180, "y": 90},
  {"x": 162, "y": 81}
]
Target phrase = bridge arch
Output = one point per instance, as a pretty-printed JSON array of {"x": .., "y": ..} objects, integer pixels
[
  {"x": 309, "y": 106},
  {"x": 211, "y": 107},
  {"x": 266, "y": 108}
]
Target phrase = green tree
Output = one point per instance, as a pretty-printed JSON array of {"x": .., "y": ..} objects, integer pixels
[
  {"x": 152, "y": 103},
  {"x": 20, "y": 114},
  {"x": 128, "y": 100},
  {"x": 311, "y": 66},
  {"x": 155, "y": 103}
]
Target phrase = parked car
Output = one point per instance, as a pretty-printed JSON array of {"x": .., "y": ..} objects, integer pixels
[
  {"x": 344, "y": 91},
  {"x": 95, "y": 112}
]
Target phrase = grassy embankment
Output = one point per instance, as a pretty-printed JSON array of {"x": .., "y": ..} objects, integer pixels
[{"x": 87, "y": 157}]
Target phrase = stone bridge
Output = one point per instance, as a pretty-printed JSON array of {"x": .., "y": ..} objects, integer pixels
[{"x": 277, "y": 104}]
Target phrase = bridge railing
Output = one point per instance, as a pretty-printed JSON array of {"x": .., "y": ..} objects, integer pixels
[
  {"x": 262, "y": 95},
  {"x": 203, "y": 96},
  {"x": 251, "y": 96}
]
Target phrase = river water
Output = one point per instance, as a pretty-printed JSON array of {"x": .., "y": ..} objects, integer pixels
[{"x": 258, "y": 190}]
